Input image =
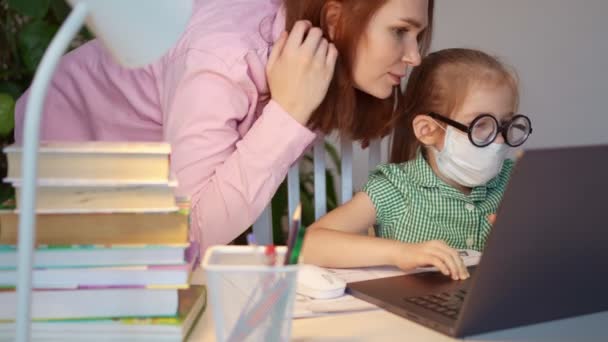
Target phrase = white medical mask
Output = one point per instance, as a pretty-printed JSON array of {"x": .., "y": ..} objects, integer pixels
[{"x": 467, "y": 164}]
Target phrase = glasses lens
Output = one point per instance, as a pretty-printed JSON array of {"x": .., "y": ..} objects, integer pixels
[
  {"x": 518, "y": 131},
  {"x": 484, "y": 131}
]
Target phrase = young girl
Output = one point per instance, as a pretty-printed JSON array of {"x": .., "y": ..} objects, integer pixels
[
  {"x": 229, "y": 95},
  {"x": 453, "y": 139}
]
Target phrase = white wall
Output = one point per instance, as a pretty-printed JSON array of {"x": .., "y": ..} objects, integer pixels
[{"x": 559, "y": 49}]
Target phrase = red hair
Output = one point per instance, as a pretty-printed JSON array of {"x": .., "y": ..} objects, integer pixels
[{"x": 355, "y": 114}]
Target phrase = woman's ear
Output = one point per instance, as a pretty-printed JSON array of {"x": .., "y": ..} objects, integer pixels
[
  {"x": 427, "y": 130},
  {"x": 332, "y": 11}
]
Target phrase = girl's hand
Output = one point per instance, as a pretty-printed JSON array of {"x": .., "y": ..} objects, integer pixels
[
  {"x": 300, "y": 69},
  {"x": 432, "y": 253},
  {"x": 492, "y": 219}
]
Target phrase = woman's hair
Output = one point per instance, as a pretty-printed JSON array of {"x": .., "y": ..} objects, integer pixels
[
  {"x": 441, "y": 84},
  {"x": 355, "y": 114}
]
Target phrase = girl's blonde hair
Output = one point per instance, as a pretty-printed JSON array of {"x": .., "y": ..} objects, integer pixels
[{"x": 441, "y": 84}]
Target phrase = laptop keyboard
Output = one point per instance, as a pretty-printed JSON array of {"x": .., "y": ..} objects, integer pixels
[{"x": 446, "y": 303}]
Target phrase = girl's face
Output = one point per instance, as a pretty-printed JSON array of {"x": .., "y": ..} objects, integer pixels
[
  {"x": 389, "y": 46},
  {"x": 499, "y": 101}
]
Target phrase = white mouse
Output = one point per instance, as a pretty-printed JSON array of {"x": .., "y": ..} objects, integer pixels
[{"x": 318, "y": 283}]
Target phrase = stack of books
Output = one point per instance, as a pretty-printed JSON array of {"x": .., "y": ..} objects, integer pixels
[{"x": 112, "y": 254}]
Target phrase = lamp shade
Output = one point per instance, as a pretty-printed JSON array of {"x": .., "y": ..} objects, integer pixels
[{"x": 137, "y": 32}]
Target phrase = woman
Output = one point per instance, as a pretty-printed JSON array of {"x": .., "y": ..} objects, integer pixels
[{"x": 239, "y": 99}]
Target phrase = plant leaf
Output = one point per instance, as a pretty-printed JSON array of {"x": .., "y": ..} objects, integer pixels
[
  {"x": 60, "y": 10},
  {"x": 332, "y": 196},
  {"x": 308, "y": 158},
  {"x": 7, "y": 114},
  {"x": 9, "y": 26},
  {"x": 279, "y": 200},
  {"x": 7, "y": 196},
  {"x": 279, "y": 210},
  {"x": 334, "y": 155},
  {"x": 32, "y": 41},
  {"x": 308, "y": 209},
  {"x": 30, "y": 8},
  {"x": 11, "y": 88}
]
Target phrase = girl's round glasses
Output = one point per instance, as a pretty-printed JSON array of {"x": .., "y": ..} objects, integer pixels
[{"x": 485, "y": 128}]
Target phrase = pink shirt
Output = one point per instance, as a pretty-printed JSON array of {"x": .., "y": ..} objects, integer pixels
[{"x": 231, "y": 147}]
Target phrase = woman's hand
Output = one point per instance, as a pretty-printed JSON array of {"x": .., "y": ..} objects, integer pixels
[
  {"x": 300, "y": 69},
  {"x": 432, "y": 253}
]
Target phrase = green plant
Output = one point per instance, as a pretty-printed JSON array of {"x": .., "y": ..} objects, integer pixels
[
  {"x": 279, "y": 201},
  {"x": 26, "y": 29}
]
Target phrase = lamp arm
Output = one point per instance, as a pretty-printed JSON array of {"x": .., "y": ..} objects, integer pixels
[{"x": 31, "y": 140}]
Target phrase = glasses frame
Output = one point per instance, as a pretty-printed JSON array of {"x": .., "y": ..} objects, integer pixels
[{"x": 501, "y": 128}]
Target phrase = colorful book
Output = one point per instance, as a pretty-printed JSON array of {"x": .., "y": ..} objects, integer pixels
[
  {"x": 57, "y": 256},
  {"x": 93, "y": 302},
  {"x": 101, "y": 228},
  {"x": 192, "y": 302},
  {"x": 67, "y": 278},
  {"x": 100, "y": 160}
]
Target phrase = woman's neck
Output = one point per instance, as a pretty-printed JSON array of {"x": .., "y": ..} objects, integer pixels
[{"x": 429, "y": 155}]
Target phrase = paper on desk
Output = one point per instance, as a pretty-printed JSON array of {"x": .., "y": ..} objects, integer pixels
[{"x": 308, "y": 307}]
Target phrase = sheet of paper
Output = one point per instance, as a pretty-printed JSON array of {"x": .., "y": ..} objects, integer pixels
[{"x": 308, "y": 307}]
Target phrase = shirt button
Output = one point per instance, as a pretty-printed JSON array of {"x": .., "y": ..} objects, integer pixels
[
  {"x": 469, "y": 207},
  {"x": 470, "y": 242}
]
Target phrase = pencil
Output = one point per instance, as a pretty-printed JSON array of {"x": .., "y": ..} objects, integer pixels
[{"x": 293, "y": 233}]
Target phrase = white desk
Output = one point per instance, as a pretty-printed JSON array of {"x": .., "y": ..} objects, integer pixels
[{"x": 380, "y": 325}]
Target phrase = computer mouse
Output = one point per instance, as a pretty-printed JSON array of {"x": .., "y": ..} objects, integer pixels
[{"x": 318, "y": 283}]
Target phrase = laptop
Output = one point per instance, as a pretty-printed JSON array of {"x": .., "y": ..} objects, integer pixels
[{"x": 545, "y": 259}]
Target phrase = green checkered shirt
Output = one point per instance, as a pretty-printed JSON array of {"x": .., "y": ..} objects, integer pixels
[{"x": 414, "y": 205}]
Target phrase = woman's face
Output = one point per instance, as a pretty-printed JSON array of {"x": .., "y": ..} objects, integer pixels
[{"x": 389, "y": 46}]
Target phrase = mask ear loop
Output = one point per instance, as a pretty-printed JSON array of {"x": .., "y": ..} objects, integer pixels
[
  {"x": 438, "y": 124},
  {"x": 433, "y": 147}
]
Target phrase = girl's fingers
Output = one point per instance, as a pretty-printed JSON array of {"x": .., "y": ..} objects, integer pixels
[
  {"x": 439, "y": 263},
  {"x": 449, "y": 261},
  {"x": 492, "y": 219}
]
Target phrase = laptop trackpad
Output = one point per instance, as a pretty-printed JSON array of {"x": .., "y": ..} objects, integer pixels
[
  {"x": 412, "y": 285},
  {"x": 433, "y": 282}
]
